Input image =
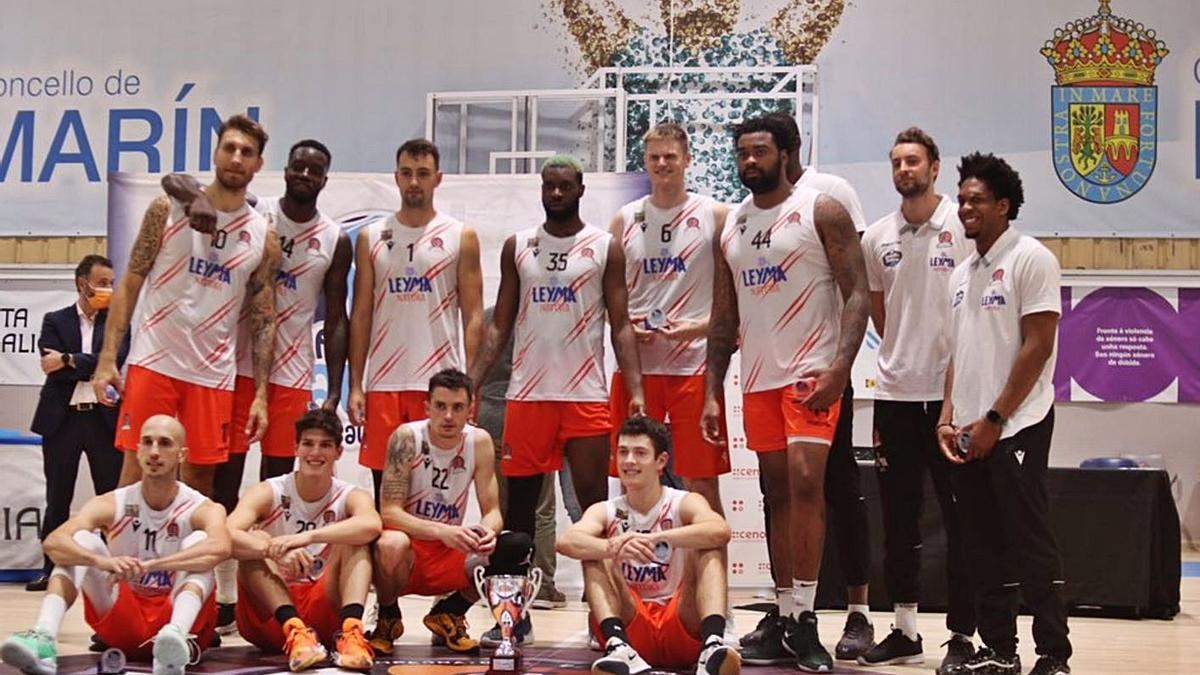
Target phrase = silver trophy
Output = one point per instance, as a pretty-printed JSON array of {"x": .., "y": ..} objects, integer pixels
[
  {"x": 508, "y": 596},
  {"x": 656, "y": 319},
  {"x": 112, "y": 662}
]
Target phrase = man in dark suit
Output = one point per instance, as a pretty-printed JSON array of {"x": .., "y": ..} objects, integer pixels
[{"x": 68, "y": 418}]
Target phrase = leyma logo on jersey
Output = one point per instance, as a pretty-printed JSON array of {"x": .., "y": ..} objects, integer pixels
[
  {"x": 765, "y": 278},
  {"x": 211, "y": 273},
  {"x": 411, "y": 287}
]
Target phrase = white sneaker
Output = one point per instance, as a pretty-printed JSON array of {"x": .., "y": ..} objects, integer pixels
[
  {"x": 717, "y": 658},
  {"x": 173, "y": 651},
  {"x": 619, "y": 659}
]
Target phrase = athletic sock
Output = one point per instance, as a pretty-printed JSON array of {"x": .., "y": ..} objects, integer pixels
[
  {"x": 804, "y": 594},
  {"x": 865, "y": 610},
  {"x": 226, "y": 577},
  {"x": 906, "y": 619},
  {"x": 613, "y": 628},
  {"x": 285, "y": 613},
  {"x": 389, "y": 611},
  {"x": 454, "y": 604},
  {"x": 352, "y": 611},
  {"x": 712, "y": 626},
  {"x": 787, "y": 606},
  {"x": 50, "y": 616},
  {"x": 184, "y": 609}
]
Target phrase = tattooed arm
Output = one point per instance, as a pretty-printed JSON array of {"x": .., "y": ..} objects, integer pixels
[
  {"x": 616, "y": 300},
  {"x": 470, "y": 294},
  {"x": 335, "y": 320},
  {"x": 360, "y": 325},
  {"x": 504, "y": 314},
  {"x": 844, "y": 252},
  {"x": 723, "y": 324},
  {"x": 261, "y": 291},
  {"x": 141, "y": 259}
]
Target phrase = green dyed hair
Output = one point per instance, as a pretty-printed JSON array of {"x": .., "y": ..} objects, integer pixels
[{"x": 564, "y": 162}]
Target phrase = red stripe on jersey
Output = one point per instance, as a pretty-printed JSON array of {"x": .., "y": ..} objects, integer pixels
[
  {"x": 272, "y": 516},
  {"x": 809, "y": 343},
  {"x": 387, "y": 366},
  {"x": 525, "y": 253},
  {"x": 311, "y": 230},
  {"x": 217, "y": 316},
  {"x": 683, "y": 300},
  {"x": 580, "y": 375},
  {"x": 432, "y": 232},
  {"x": 780, "y": 221},
  {"x": 237, "y": 260},
  {"x": 588, "y": 240},
  {"x": 690, "y": 249},
  {"x": 119, "y": 526},
  {"x": 304, "y": 380},
  {"x": 531, "y": 384},
  {"x": 379, "y": 341},
  {"x": 333, "y": 498},
  {"x": 168, "y": 274},
  {"x": 303, "y": 267},
  {"x": 376, "y": 248},
  {"x": 679, "y": 349},
  {"x": 753, "y": 376},
  {"x": 445, "y": 304},
  {"x": 287, "y": 312},
  {"x": 217, "y": 352},
  {"x": 158, "y": 316},
  {"x": 433, "y": 360},
  {"x": 581, "y": 326},
  {"x": 436, "y": 269},
  {"x": 793, "y": 309},
  {"x": 239, "y": 222},
  {"x": 174, "y": 228},
  {"x": 519, "y": 355},
  {"x": 154, "y": 357},
  {"x": 288, "y": 354}
]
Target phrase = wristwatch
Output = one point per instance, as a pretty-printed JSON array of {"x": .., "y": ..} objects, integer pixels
[
  {"x": 995, "y": 418},
  {"x": 66, "y": 358}
]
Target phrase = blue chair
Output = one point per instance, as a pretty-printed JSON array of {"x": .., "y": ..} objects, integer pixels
[{"x": 1109, "y": 463}]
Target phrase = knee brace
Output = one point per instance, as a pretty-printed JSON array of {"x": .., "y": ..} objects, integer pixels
[{"x": 202, "y": 580}]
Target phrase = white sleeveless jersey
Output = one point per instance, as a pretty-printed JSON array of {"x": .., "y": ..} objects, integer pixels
[
  {"x": 307, "y": 250},
  {"x": 141, "y": 532},
  {"x": 669, "y": 268},
  {"x": 440, "y": 479},
  {"x": 290, "y": 514},
  {"x": 186, "y": 321},
  {"x": 558, "y": 352},
  {"x": 415, "y": 329},
  {"x": 787, "y": 299},
  {"x": 658, "y": 580}
]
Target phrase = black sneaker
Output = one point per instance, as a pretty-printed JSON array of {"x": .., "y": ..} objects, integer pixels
[
  {"x": 1048, "y": 665},
  {"x": 986, "y": 662},
  {"x": 857, "y": 637},
  {"x": 756, "y": 635},
  {"x": 801, "y": 639},
  {"x": 767, "y": 649},
  {"x": 895, "y": 649},
  {"x": 959, "y": 650},
  {"x": 226, "y": 618}
]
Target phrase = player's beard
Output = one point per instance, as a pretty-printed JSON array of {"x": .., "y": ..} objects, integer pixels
[
  {"x": 765, "y": 181},
  {"x": 563, "y": 214},
  {"x": 231, "y": 182},
  {"x": 915, "y": 188}
]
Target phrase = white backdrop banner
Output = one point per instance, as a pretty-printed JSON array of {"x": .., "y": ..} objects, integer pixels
[
  {"x": 22, "y": 505},
  {"x": 88, "y": 89},
  {"x": 21, "y": 316}
]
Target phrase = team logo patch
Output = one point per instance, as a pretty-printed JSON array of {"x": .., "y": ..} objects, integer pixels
[
  {"x": 328, "y": 517},
  {"x": 314, "y": 246},
  {"x": 436, "y": 242},
  {"x": 793, "y": 217},
  {"x": 285, "y": 502},
  {"x": 131, "y": 510},
  {"x": 945, "y": 239},
  {"x": 693, "y": 222},
  {"x": 172, "y": 530},
  {"x": 244, "y": 238},
  {"x": 998, "y": 276},
  {"x": 588, "y": 253},
  {"x": 458, "y": 464},
  {"x": 741, "y": 224},
  {"x": 386, "y": 237},
  {"x": 958, "y": 298},
  {"x": 1104, "y": 105},
  {"x": 891, "y": 258}
]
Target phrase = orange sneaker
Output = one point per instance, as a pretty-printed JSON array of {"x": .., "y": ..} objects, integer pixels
[
  {"x": 452, "y": 629},
  {"x": 353, "y": 650},
  {"x": 303, "y": 648},
  {"x": 387, "y": 630}
]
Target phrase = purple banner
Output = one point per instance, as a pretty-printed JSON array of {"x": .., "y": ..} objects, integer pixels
[{"x": 1129, "y": 344}]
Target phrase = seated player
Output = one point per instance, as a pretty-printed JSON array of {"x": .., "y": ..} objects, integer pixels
[
  {"x": 152, "y": 582},
  {"x": 302, "y": 541},
  {"x": 425, "y": 549},
  {"x": 653, "y": 567}
]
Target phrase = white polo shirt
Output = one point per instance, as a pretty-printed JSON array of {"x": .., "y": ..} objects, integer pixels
[
  {"x": 838, "y": 188},
  {"x": 911, "y": 265},
  {"x": 989, "y": 295}
]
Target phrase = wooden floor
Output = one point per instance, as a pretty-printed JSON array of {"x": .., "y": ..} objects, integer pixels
[{"x": 1101, "y": 645}]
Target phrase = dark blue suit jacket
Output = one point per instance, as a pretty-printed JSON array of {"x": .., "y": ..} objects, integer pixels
[{"x": 61, "y": 332}]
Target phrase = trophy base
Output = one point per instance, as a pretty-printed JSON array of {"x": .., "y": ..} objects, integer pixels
[{"x": 505, "y": 665}]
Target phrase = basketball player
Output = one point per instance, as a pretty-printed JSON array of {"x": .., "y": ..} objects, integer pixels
[
  {"x": 182, "y": 358},
  {"x": 302, "y": 541},
  {"x": 667, "y": 240},
  {"x": 910, "y": 254},
  {"x": 425, "y": 549},
  {"x": 417, "y": 276},
  {"x": 785, "y": 262},
  {"x": 151, "y": 582},
  {"x": 653, "y": 567},
  {"x": 557, "y": 282}
]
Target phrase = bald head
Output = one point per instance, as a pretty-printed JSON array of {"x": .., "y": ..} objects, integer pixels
[
  {"x": 161, "y": 447},
  {"x": 164, "y": 425}
]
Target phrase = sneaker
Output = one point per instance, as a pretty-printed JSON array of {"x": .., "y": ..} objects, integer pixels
[
  {"x": 767, "y": 649},
  {"x": 959, "y": 650},
  {"x": 801, "y": 639},
  {"x": 1049, "y": 665},
  {"x": 32, "y": 652},
  {"x": 986, "y": 662},
  {"x": 387, "y": 629},
  {"x": 174, "y": 651},
  {"x": 523, "y": 633},
  {"x": 353, "y": 650},
  {"x": 857, "y": 637},
  {"x": 303, "y": 648},
  {"x": 549, "y": 598},
  {"x": 895, "y": 649},
  {"x": 226, "y": 618},
  {"x": 756, "y": 635},
  {"x": 716, "y": 658},
  {"x": 452, "y": 631},
  {"x": 619, "y": 659}
]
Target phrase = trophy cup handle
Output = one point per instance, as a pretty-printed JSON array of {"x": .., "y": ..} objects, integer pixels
[
  {"x": 535, "y": 584},
  {"x": 479, "y": 585}
]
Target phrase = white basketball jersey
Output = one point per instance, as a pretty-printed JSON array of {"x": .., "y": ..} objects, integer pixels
[
  {"x": 186, "y": 322},
  {"x": 658, "y": 580},
  {"x": 141, "y": 532},
  {"x": 415, "y": 329},
  {"x": 787, "y": 299},
  {"x": 440, "y": 479},
  {"x": 292, "y": 515},
  {"x": 558, "y": 352},
  {"x": 669, "y": 268},
  {"x": 307, "y": 250}
]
